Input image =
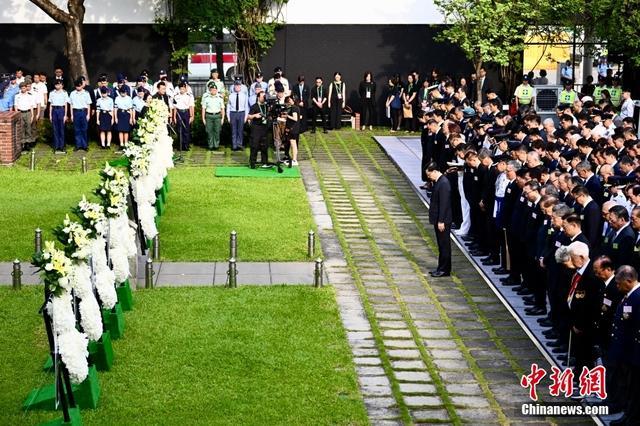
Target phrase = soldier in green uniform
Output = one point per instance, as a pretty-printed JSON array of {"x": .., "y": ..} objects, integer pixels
[
  {"x": 212, "y": 115},
  {"x": 568, "y": 95},
  {"x": 524, "y": 94}
]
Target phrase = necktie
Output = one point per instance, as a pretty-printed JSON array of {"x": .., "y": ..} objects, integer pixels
[
  {"x": 237, "y": 101},
  {"x": 574, "y": 283}
]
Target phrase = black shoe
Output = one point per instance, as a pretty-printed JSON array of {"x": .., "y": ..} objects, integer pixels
[
  {"x": 509, "y": 279},
  {"x": 529, "y": 302},
  {"x": 491, "y": 262},
  {"x": 438, "y": 274},
  {"x": 546, "y": 322},
  {"x": 313, "y": 130},
  {"x": 535, "y": 311},
  {"x": 478, "y": 253},
  {"x": 553, "y": 335},
  {"x": 524, "y": 292},
  {"x": 325, "y": 131},
  {"x": 486, "y": 259},
  {"x": 467, "y": 238},
  {"x": 472, "y": 245},
  {"x": 556, "y": 344},
  {"x": 498, "y": 269},
  {"x": 562, "y": 350},
  {"x": 562, "y": 358}
]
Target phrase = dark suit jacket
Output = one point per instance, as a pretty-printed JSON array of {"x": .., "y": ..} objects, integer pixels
[
  {"x": 295, "y": 90},
  {"x": 611, "y": 298},
  {"x": 586, "y": 302},
  {"x": 626, "y": 322},
  {"x": 591, "y": 223},
  {"x": 440, "y": 207},
  {"x": 594, "y": 187},
  {"x": 620, "y": 248}
]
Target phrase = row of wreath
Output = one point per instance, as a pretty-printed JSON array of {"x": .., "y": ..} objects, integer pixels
[{"x": 94, "y": 249}]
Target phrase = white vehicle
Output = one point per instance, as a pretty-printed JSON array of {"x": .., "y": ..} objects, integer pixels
[{"x": 201, "y": 63}]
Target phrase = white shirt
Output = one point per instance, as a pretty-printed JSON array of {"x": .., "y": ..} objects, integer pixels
[
  {"x": 24, "y": 101},
  {"x": 626, "y": 110},
  {"x": 183, "y": 101},
  {"x": 40, "y": 88}
]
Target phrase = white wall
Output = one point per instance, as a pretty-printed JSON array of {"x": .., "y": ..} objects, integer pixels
[
  {"x": 97, "y": 12},
  {"x": 295, "y": 12},
  {"x": 362, "y": 12}
]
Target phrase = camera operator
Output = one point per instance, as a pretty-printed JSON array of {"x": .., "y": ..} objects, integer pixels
[
  {"x": 258, "y": 120},
  {"x": 292, "y": 132}
]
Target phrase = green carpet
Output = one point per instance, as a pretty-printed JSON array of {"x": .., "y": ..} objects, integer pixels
[{"x": 245, "y": 171}]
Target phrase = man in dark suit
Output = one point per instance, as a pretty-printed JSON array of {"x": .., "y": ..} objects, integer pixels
[
  {"x": 590, "y": 214},
  {"x": 620, "y": 247},
  {"x": 301, "y": 93},
  {"x": 604, "y": 270},
  {"x": 624, "y": 353},
  {"x": 590, "y": 181},
  {"x": 584, "y": 300},
  {"x": 441, "y": 216}
]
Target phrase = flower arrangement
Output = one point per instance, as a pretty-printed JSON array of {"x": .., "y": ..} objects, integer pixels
[
  {"x": 138, "y": 156},
  {"x": 54, "y": 267},
  {"x": 113, "y": 191},
  {"x": 91, "y": 216},
  {"x": 76, "y": 238}
]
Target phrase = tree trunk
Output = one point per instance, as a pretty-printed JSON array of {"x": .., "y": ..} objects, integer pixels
[
  {"x": 478, "y": 65},
  {"x": 220, "y": 55},
  {"x": 74, "y": 50}
]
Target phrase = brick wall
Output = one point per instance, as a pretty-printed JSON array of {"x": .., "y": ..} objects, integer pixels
[{"x": 10, "y": 146}]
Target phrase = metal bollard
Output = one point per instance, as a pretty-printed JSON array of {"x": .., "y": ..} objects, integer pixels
[
  {"x": 311, "y": 244},
  {"x": 318, "y": 273},
  {"x": 156, "y": 247},
  {"x": 32, "y": 162},
  {"x": 148, "y": 274},
  {"x": 84, "y": 164},
  {"x": 17, "y": 275},
  {"x": 37, "y": 240},
  {"x": 233, "y": 273},
  {"x": 233, "y": 245}
]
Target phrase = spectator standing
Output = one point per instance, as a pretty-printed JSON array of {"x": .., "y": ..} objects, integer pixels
[
  {"x": 337, "y": 98},
  {"x": 367, "y": 93},
  {"x": 318, "y": 105}
]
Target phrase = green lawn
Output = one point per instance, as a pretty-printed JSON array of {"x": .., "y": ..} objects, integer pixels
[
  {"x": 29, "y": 200},
  {"x": 271, "y": 216},
  {"x": 254, "y": 355}
]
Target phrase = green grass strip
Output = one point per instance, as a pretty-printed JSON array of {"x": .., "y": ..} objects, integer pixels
[
  {"x": 443, "y": 314},
  {"x": 431, "y": 368},
  {"x": 459, "y": 283}
]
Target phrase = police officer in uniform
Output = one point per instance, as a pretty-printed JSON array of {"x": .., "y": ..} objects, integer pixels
[
  {"x": 568, "y": 95},
  {"x": 524, "y": 96}
]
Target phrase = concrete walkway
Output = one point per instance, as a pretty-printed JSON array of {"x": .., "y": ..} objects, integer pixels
[
  {"x": 426, "y": 350},
  {"x": 174, "y": 274}
]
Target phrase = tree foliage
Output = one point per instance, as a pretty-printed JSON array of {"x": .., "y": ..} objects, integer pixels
[
  {"x": 487, "y": 30},
  {"x": 252, "y": 22},
  {"x": 618, "y": 23}
]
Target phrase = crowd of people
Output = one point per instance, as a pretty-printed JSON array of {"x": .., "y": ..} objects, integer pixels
[{"x": 553, "y": 206}]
